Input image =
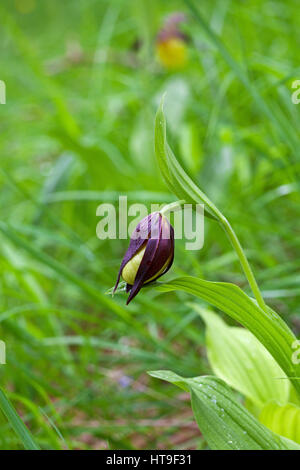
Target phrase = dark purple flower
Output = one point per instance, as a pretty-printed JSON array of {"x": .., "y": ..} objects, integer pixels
[{"x": 150, "y": 253}]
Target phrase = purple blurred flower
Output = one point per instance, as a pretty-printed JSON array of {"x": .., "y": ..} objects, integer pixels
[
  {"x": 150, "y": 253},
  {"x": 171, "y": 28},
  {"x": 125, "y": 381}
]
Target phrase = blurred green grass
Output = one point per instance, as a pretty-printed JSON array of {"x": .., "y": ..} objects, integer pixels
[{"x": 77, "y": 130}]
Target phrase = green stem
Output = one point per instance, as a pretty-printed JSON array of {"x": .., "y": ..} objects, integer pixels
[
  {"x": 236, "y": 245},
  {"x": 243, "y": 260},
  {"x": 173, "y": 206}
]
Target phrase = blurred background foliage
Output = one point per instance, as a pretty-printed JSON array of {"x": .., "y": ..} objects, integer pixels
[{"x": 83, "y": 83}]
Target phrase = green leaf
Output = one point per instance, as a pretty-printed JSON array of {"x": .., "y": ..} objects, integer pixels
[
  {"x": 182, "y": 185},
  {"x": 176, "y": 178},
  {"x": 238, "y": 358},
  {"x": 282, "y": 419},
  {"x": 266, "y": 325},
  {"x": 225, "y": 423},
  {"x": 294, "y": 397},
  {"x": 16, "y": 423}
]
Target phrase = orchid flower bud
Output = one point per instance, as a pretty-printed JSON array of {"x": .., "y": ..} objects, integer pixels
[
  {"x": 150, "y": 253},
  {"x": 171, "y": 43}
]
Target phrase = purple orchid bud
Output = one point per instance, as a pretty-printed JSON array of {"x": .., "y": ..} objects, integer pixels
[{"x": 150, "y": 253}]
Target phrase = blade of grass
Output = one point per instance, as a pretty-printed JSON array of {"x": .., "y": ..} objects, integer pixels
[{"x": 16, "y": 423}]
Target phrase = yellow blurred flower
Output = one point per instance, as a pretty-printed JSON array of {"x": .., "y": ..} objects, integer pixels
[
  {"x": 171, "y": 43},
  {"x": 172, "y": 53}
]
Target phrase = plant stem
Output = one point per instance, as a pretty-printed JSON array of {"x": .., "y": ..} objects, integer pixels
[
  {"x": 243, "y": 260},
  {"x": 173, "y": 206},
  {"x": 236, "y": 245}
]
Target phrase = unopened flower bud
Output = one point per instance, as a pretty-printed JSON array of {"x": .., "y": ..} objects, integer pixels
[{"x": 150, "y": 253}]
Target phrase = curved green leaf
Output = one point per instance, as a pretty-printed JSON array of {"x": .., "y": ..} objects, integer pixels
[
  {"x": 238, "y": 358},
  {"x": 176, "y": 178},
  {"x": 183, "y": 186},
  {"x": 266, "y": 325},
  {"x": 225, "y": 423},
  {"x": 284, "y": 420}
]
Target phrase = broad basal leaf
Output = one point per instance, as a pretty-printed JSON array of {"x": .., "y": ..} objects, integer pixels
[
  {"x": 225, "y": 423},
  {"x": 266, "y": 325},
  {"x": 284, "y": 420},
  {"x": 237, "y": 357}
]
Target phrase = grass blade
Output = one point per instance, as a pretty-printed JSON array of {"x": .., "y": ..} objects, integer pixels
[{"x": 16, "y": 423}]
